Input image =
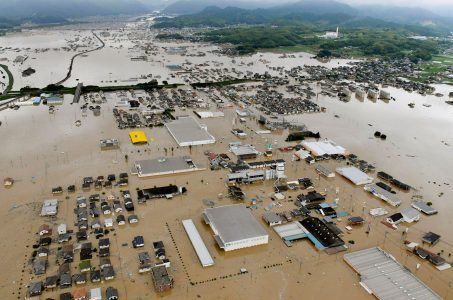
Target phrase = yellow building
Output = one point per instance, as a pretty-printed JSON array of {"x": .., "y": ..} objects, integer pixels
[{"x": 138, "y": 137}]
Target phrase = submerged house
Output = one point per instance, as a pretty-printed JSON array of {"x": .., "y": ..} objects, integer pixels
[
  {"x": 50, "y": 282},
  {"x": 161, "y": 279},
  {"x": 408, "y": 215}
]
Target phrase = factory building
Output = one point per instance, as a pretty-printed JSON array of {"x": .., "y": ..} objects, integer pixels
[{"x": 235, "y": 227}]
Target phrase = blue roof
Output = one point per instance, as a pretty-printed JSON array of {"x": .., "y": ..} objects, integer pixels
[
  {"x": 324, "y": 205},
  {"x": 317, "y": 243}
]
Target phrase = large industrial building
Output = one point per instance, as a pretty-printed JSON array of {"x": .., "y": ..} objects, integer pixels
[
  {"x": 243, "y": 151},
  {"x": 235, "y": 227},
  {"x": 188, "y": 132},
  {"x": 320, "y": 148},
  {"x": 354, "y": 175},
  {"x": 165, "y": 166},
  {"x": 383, "y": 194},
  {"x": 385, "y": 278}
]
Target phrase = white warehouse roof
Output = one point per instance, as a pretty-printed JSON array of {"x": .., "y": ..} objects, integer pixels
[
  {"x": 235, "y": 227},
  {"x": 198, "y": 244},
  {"x": 385, "y": 278},
  {"x": 385, "y": 195},
  {"x": 323, "y": 147},
  {"x": 188, "y": 132},
  {"x": 355, "y": 175}
]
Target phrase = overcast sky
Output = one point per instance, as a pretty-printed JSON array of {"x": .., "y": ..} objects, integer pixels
[{"x": 420, "y": 3}]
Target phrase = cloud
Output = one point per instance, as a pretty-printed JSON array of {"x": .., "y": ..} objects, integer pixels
[{"x": 419, "y": 3}]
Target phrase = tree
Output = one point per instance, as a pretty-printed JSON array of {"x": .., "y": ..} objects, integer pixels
[{"x": 324, "y": 53}]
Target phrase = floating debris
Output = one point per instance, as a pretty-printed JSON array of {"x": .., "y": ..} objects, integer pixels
[{"x": 8, "y": 182}]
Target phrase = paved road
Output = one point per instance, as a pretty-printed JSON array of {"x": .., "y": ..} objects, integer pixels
[{"x": 68, "y": 75}]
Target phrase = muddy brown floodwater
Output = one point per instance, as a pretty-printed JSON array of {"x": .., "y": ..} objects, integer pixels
[{"x": 41, "y": 151}]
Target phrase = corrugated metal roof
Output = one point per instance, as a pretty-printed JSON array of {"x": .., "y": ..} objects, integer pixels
[
  {"x": 355, "y": 175},
  {"x": 197, "y": 243},
  {"x": 290, "y": 229},
  {"x": 234, "y": 223},
  {"x": 386, "y": 278},
  {"x": 385, "y": 195},
  {"x": 187, "y": 131}
]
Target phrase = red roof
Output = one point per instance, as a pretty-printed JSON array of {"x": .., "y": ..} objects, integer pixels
[{"x": 80, "y": 293}]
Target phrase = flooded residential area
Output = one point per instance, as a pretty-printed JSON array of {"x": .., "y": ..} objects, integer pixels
[{"x": 172, "y": 169}]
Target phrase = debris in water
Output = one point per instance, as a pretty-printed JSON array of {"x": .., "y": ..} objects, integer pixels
[{"x": 8, "y": 182}]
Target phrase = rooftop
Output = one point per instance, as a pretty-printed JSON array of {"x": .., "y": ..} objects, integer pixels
[
  {"x": 239, "y": 150},
  {"x": 424, "y": 207},
  {"x": 138, "y": 137},
  {"x": 233, "y": 223},
  {"x": 385, "y": 277},
  {"x": 188, "y": 132},
  {"x": 198, "y": 244},
  {"x": 355, "y": 175},
  {"x": 161, "y": 278},
  {"x": 272, "y": 218},
  {"x": 165, "y": 165},
  {"x": 385, "y": 195},
  {"x": 320, "y": 148}
]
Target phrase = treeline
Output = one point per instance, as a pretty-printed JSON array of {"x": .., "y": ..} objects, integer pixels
[
  {"x": 221, "y": 83},
  {"x": 7, "y": 23},
  {"x": 169, "y": 36},
  {"x": 217, "y": 17},
  {"x": 59, "y": 89},
  {"x": 249, "y": 39},
  {"x": 318, "y": 17},
  {"x": 382, "y": 42},
  {"x": 358, "y": 42}
]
